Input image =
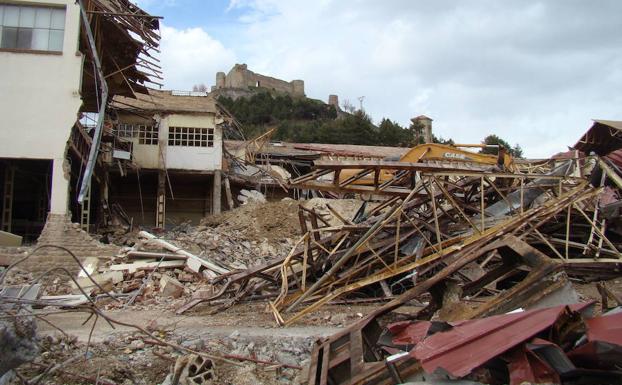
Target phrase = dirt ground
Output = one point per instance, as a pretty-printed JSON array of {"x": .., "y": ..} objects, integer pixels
[
  {"x": 124, "y": 355},
  {"x": 271, "y": 220}
]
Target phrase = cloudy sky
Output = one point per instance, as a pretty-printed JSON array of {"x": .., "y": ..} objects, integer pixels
[{"x": 532, "y": 72}]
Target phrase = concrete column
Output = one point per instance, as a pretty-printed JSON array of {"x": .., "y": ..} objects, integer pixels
[
  {"x": 59, "y": 196},
  {"x": 162, "y": 123},
  {"x": 216, "y": 209},
  {"x": 161, "y": 200}
]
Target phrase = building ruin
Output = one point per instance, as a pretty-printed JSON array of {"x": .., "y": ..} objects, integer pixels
[{"x": 240, "y": 77}]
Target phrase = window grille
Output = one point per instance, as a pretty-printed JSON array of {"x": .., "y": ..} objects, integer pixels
[
  {"x": 191, "y": 137},
  {"x": 146, "y": 134}
]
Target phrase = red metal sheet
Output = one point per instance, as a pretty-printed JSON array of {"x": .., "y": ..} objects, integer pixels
[
  {"x": 409, "y": 333},
  {"x": 597, "y": 355},
  {"x": 615, "y": 157},
  {"x": 607, "y": 328},
  {"x": 525, "y": 366},
  {"x": 472, "y": 343}
]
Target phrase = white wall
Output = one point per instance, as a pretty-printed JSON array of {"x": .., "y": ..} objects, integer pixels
[
  {"x": 39, "y": 100},
  {"x": 39, "y": 97},
  {"x": 194, "y": 158},
  {"x": 179, "y": 157},
  {"x": 146, "y": 156}
]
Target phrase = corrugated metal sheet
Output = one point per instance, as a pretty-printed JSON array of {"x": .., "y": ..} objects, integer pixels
[
  {"x": 472, "y": 343},
  {"x": 615, "y": 157},
  {"x": 409, "y": 333},
  {"x": 607, "y": 328}
]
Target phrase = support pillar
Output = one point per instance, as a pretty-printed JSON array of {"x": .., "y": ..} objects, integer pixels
[
  {"x": 228, "y": 193},
  {"x": 161, "y": 199},
  {"x": 59, "y": 196},
  {"x": 216, "y": 209}
]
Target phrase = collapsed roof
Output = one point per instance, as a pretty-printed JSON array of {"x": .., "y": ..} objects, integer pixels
[
  {"x": 603, "y": 137},
  {"x": 126, "y": 38},
  {"x": 166, "y": 101}
]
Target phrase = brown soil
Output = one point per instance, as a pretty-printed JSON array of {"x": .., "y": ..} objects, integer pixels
[{"x": 273, "y": 220}]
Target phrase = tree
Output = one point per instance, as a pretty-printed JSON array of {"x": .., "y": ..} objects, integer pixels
[
  {"x": 517, "y": 151},
  {"x": 392, "y": 134},
  {"x": 348, "y": 107},
  {"x": 416, "y": 133},
  {"x": 493, "y": 140},
  {"x": 199, "y": 88}
]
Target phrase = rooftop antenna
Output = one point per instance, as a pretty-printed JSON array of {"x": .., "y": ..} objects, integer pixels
[{"x": 361, "y": 98}]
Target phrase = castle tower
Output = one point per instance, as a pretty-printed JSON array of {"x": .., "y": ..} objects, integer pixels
[
  {"x": 298, "y": 87},
  {"x": 333, "y": 100},
  {"x": 427, "y": 127},
  {"x": 220, "y": 80}
]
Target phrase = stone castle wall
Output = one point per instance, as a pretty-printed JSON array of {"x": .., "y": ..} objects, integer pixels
[{"x": 241, "y": 77}]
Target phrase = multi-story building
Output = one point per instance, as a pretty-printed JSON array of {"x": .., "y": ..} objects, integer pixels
[
  {"x": 61, "y": 60},
  {"x": 171, "y": 168}
]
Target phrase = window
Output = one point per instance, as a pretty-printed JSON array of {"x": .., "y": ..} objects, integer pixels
[
  {"x": 31, "y": 28},
  {"x": 145, "y": 134},
  {"x": 191, "y": 137},
  {"x": 124, "y": 130}
]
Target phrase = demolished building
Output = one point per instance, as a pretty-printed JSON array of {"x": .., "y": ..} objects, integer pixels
[
  {"x": 62, "y": 62},
  {"x": 175, "y": 158},
  {"x": 447, "y": 248}
]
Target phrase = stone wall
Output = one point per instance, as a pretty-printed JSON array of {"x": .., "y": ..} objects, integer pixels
[
  {"x": 60, "y": 231},
  {"x": 241, "y": 77}
]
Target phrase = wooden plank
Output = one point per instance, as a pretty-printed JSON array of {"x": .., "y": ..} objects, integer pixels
[
  {"x": 156, "y": 255},
  {"x": 151, "y": 265}
]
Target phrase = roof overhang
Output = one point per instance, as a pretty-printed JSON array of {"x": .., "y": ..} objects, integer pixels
[{"x": 603, "y": 137}]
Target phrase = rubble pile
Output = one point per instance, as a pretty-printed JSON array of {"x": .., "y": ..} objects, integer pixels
[
  {"x": 155, "y": 271},
  {"x": 448, "y": 260}
]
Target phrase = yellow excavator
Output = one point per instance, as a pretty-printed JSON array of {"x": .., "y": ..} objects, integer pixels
[{"x": 441, "y": 154}]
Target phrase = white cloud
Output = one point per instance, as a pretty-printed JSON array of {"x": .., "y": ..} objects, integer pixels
[
  {"x": 532, "y": 72},
  {"x": 191, "y": 56}
]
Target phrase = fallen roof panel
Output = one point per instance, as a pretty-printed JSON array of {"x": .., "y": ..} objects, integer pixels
[
  {"x": 607, "y": 328},
  {"x": 472, "y": 343},
  {"x": 603, "y": 137}
]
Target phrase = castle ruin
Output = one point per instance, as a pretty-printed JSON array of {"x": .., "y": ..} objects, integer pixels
[{"x": 241, "y": 77}]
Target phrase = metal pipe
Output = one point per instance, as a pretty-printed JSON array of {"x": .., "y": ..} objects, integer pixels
[{"x": 90, "y": 165}]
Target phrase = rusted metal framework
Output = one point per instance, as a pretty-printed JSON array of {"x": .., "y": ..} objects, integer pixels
[{"x": 408, "y": 238}]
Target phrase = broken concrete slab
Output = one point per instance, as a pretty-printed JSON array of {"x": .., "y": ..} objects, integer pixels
[
  {"x": 90, "y": 265},
  {"x": 65, "y": 300},
  {"x": 147, "y": 265},
  {"x": 110, "y": 277},
  {"x": 9, "y": 239},
  {"x": 170, "y": 287},
  {"x": 193, "y": 262}
]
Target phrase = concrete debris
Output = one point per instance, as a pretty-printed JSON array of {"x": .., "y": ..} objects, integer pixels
[
  {"x": 192, "y": 370},
  {"x": 106, "y": 280},
  {"x": 462, "y": 274},
  {"x": 170, "y": 287},
  {"x": 8, "y": 239},
  {"x": 18, "y": 343},
  {"x": 247, "y": 196}
]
